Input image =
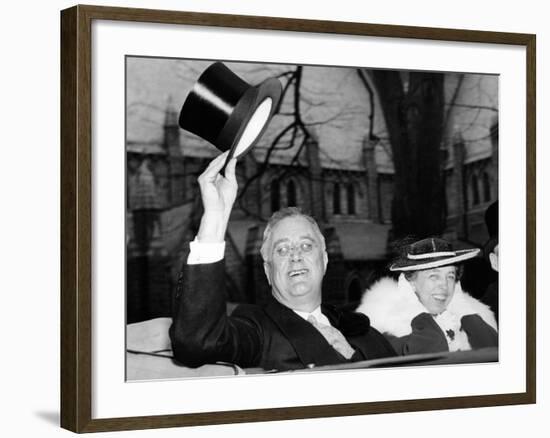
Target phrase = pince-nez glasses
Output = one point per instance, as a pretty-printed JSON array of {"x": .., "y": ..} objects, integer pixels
[{"x": 285, "y": 249}]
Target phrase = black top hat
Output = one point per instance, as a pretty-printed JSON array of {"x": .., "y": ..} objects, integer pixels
[
  {"x": 431, "y": 253},
  {"x": 221, "y": 106}
]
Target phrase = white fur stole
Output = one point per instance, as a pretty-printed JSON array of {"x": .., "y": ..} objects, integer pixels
[{"x": 392, "y": 305}]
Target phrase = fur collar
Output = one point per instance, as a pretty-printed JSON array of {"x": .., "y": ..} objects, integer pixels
[{"x": 391, "y": 306}]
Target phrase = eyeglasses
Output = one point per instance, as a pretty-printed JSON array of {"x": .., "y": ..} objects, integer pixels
[{"x": 285, "y": 249}]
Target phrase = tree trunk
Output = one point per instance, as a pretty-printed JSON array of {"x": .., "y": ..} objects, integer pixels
[{"x": 414, "y": 119}]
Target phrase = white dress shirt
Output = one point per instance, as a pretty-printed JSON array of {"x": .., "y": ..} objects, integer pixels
[
  {"x": 317, "y": 314},
  {"x": 201, "y": 252}
]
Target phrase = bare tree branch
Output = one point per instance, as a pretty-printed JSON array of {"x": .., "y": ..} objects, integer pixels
[
  {"x": 479, "y": 107},
  {"x": 452, "y": 103},
  {"x": 370, "y": 92}
]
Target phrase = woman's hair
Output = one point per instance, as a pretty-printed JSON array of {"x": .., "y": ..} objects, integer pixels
[{"x": 411, "y": 275}]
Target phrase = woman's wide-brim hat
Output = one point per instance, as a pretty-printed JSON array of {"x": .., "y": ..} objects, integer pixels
[
  {"x": 228, "y": 112},
  {"x": 431, "y": 253}
]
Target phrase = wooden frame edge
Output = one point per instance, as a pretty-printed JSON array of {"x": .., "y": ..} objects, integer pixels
[
  {"x": 76, "y": 224},
  {"x": 302, "y": 25},
  {"x": 69, "y": 329},
  {"x": 305, "y": 412},
  {"x": 75, "y": 220},
  {"x": 531, "y": 217}
]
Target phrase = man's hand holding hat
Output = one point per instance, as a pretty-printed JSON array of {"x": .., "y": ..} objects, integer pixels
[{"x": 218, "y": 194}]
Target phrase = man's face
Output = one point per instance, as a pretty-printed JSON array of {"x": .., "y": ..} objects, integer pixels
[
  {"x": 296, "y": 264},
  {"x": 435, "y": 288}
]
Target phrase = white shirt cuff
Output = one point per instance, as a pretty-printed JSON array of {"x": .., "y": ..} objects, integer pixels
[{"x": 201, "y": 252}]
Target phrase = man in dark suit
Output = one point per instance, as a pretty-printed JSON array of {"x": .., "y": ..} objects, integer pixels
[{"x": 292, "y": 330}]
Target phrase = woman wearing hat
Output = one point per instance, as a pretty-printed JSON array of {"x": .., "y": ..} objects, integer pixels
[{"x": 426, "y": 310}]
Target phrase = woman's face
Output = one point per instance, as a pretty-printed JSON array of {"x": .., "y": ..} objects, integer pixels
[{"x": 435, "y": 287}]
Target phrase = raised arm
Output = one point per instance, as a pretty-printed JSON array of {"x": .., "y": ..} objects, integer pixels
[
  {"x": 218, "y": 193},
  {"x": 201, "y": 331}
]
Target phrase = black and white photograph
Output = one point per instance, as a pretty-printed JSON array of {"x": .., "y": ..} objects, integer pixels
[
  {"x": 285, "y": 218},
  {"x": 275, "y": 219}
]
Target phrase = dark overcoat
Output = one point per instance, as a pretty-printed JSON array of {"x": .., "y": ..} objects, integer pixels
[{"x": 271, "y": 336}]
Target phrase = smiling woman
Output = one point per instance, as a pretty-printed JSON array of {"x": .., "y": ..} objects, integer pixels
[
  {"x": 426, "y": 310},
  {"x": 434, "y": 287}
]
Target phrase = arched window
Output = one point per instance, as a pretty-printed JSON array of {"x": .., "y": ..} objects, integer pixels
[
  {"x": 336, "y": 207},
  {"x": 275, "y": 196},
  {"x": 291, "y": 194},
  {"x": 351, "y": 199},
  {"x": 475, "y": 191},
  {"x": 486, "y": 187}
]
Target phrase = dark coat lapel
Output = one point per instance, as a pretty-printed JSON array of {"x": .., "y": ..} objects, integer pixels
[{"x": 310, "y": 345}]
